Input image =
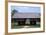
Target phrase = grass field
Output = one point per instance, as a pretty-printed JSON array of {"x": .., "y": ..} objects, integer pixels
[{"x": 25, "y": 26}]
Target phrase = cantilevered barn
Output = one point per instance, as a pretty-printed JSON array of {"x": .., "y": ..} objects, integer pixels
[{"x": 26, "y": 18}]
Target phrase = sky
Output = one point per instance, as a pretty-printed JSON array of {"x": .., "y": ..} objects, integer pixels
[{"x": 26, "y": 9}]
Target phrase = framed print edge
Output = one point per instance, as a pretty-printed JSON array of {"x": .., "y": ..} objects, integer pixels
[
  {"x": 25, "y": 1},
  {"x": 6, "y": 19}
]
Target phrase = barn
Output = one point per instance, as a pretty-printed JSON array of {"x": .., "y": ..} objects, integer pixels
[{"x": 26, "y": 18}]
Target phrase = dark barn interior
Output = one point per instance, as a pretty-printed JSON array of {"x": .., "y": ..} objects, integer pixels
[{"x": 22, "y": 21}]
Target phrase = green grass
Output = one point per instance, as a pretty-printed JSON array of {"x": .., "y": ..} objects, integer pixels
[{"x": 30, "y": 26}]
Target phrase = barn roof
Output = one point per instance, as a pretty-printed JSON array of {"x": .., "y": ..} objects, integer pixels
[{"x": 26, "y": 15}]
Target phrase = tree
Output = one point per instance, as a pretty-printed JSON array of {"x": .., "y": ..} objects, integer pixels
[{"x": 14, "y": 11}]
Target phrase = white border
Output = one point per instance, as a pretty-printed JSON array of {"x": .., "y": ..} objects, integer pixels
[{"x": 23, "y": 29}]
